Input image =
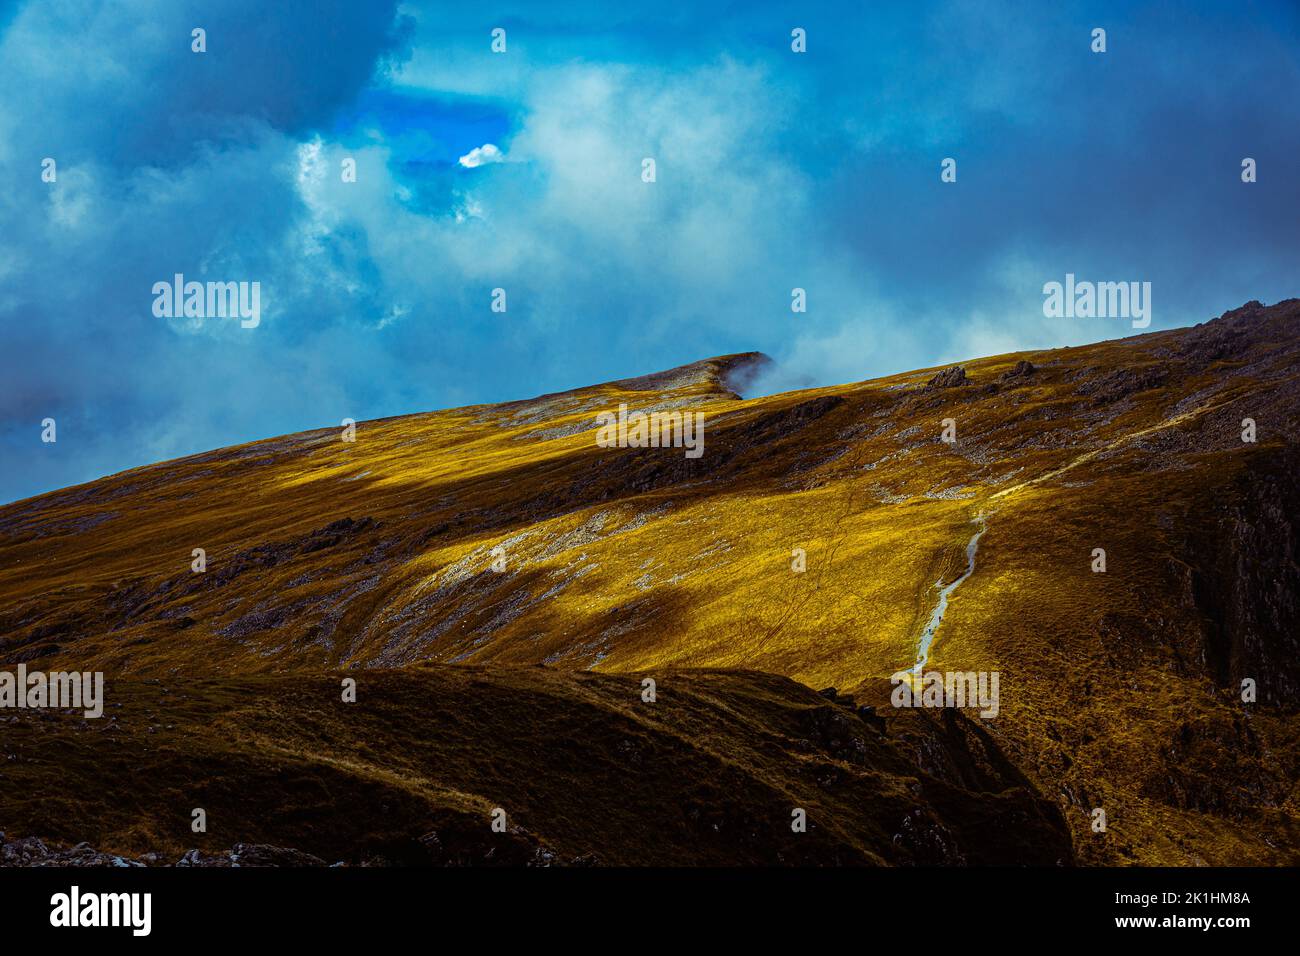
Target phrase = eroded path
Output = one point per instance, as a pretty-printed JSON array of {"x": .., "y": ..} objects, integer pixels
[{"x": 945, "y": 591}]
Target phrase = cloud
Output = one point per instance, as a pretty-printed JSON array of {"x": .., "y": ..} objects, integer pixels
[
  {"x": 481, "y": 156},
  {"x": 774, "y": 171},
  {"x": 195, "y": 175}
]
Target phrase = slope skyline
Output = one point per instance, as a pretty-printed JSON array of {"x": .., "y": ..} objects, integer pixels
[{"x": 746, "y": 373}]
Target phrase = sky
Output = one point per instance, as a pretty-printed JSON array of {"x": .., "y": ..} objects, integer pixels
[{"x": 522, "y": 170}]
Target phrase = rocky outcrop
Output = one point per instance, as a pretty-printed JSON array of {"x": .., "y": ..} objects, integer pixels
[
  {"x": 1246, "y": 581},
  {"x": 949, "y": 378},
  {"x": 1020, "y": 370}
]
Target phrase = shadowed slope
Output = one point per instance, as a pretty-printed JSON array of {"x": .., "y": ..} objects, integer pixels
[{"x": 586, "y": 770}]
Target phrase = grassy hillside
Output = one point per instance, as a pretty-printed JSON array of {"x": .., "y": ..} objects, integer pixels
[{"x": 1120, "y": 690}]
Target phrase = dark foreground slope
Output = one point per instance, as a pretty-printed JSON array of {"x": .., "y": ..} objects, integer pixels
[{"x": 586, "y": 771}]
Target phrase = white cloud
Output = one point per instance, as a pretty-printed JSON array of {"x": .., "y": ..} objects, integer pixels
[{"x": 481, "y": 156}]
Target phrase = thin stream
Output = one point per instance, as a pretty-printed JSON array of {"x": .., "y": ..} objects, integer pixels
[{"x": 927, "y": 636}]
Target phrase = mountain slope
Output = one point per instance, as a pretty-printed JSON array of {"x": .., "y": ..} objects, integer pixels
[
  {"x": 586, "y": 771},
  {"x": 1120, "y": 690}
]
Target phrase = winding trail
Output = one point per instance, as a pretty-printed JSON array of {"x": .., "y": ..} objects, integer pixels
[{"x": 1110, "y": 446}]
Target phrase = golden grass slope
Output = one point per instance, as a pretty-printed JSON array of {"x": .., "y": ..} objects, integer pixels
[{"x": 1119, "y": 690}]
